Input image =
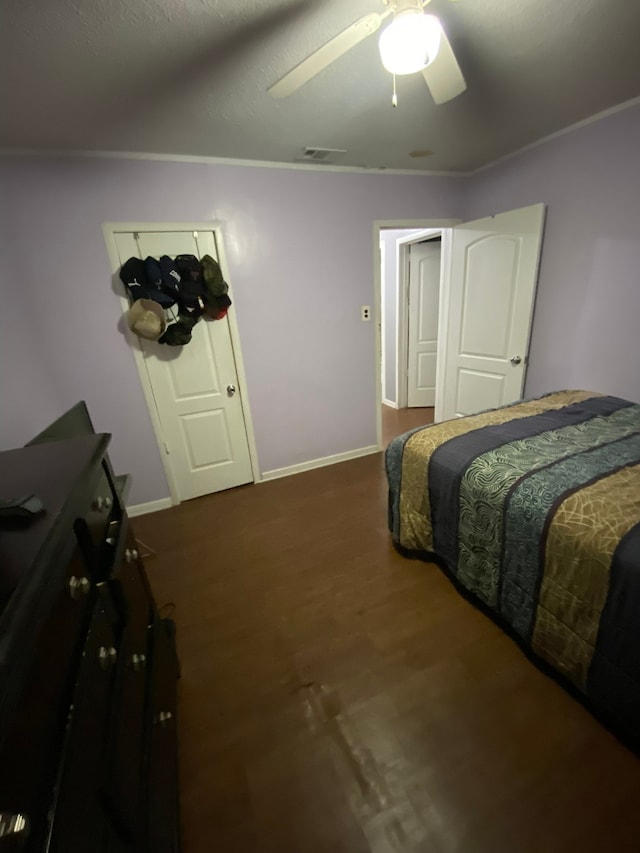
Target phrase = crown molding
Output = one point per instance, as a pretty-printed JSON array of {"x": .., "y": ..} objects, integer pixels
[
  {"x": 317, "y": 167},
  {"x": 618, "y": 108},
  {"x": 221, "y": 161}
]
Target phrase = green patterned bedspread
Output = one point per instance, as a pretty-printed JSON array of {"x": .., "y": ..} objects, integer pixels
[{"x": 535, "y": 509}]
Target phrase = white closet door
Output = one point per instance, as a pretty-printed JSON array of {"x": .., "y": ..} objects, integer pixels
[
  {"x": 424, "y": 294},
  {"x": 195, "y": 386}
]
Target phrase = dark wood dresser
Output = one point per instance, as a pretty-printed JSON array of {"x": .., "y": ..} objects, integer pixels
[{"x": 88, "y": 668}]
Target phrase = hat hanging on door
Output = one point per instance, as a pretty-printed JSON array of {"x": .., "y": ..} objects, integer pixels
[
  {"x": 216, "y": 308},
  {"x": 146, "y": 319},
  {"x": 179, "y": 334},
  {"x": 162, "y": 287},
  {"x": 193, "y": 293},
  {"x": 212, "y": 274},
  {"x": 134, "y": 277},
  {"x": 144, "y": 280}
]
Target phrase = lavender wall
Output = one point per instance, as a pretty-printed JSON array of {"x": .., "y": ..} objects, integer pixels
[
  {"x": 28, "y": 396},
  {"x": 586, "y": 326},
  {"x": 299, "y": 247}
]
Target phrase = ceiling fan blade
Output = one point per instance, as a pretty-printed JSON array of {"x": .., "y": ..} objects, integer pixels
[
  {"x": 327, "y": 54},
  {"x": 443, "y": 75}
]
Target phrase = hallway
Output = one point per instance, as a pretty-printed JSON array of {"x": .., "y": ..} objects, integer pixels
[{"x": 397, "y": 421}]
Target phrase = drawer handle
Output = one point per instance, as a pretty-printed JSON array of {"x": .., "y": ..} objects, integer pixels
[
  {"x": 113, "y": 532},
  {"x": 78, "y": 587},
  {"x": 130, "y": 555},
  {"x": 138, "y": 662},
  {"x": 99, "y": 504},
  {"x": 13, "y": 824},
  {"x": 107, "y": 657},
  {"x": 164, "y": 717}
]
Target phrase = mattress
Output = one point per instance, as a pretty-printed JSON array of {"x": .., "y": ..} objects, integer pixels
[{"x": 534, "y": 510}]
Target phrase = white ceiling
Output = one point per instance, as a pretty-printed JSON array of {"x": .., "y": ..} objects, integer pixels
[{"x": 190, "y": 77}]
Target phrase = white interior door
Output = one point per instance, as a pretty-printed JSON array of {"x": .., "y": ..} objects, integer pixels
[
  {"x": 195, "y": 387},
  {"x": 424, "y": 295},
  {"x": 490, "y": 280}
]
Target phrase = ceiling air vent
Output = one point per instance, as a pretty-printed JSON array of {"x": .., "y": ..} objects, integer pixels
[{"x": 321, "y": 155}]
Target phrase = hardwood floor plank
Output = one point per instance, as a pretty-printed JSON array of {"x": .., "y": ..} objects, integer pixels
[
  {"x": 397, "y": 421},
  {"x": 338, "y": 697}
]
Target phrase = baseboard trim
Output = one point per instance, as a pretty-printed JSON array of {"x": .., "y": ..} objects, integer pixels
[
  {"x": 150, "y": 506},
  {"x": 318, "y": 463},
  {"x": 389, "y": 403}
]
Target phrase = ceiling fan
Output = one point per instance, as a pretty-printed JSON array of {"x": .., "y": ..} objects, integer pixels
[{"x": 413, "y": 41}]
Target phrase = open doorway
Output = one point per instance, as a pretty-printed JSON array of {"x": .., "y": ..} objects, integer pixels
[
  {"x": 487, "y": 283},
  {"x": 410, "y": 260}
]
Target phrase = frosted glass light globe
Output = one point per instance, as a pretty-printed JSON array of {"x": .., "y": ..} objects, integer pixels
[{"x": 410, "y": 42}]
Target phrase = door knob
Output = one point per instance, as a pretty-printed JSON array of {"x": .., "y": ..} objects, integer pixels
[
  {"x": 515, "y": 359},
  {"x": 231, "y": 390}
]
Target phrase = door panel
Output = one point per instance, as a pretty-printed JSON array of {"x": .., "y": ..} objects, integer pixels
[
  {"x": 487, "y": 302},
  {"x": 424, "y": 294},
  {"x": 206, "y": 436},
  {"x": 202, "y": 421},
  {"x": 478, "y": 390},
  {"x": 491, "y": 284},
  {"x": 192, "y": 375},
  {"x": 426, "y": 368}
]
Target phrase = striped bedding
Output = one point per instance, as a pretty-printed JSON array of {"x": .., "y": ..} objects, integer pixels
[{"x": 534, "y": 509}]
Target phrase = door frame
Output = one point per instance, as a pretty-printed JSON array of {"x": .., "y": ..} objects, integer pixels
[
  {"x": 402, "y": 311},
  {"x": 378, "y": 226},
  {"x": 446, "y": 259},
  {"x": 109, "y": 230}
]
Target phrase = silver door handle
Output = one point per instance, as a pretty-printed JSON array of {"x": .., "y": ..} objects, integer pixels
[
  {"x": 231, "y": 390},
  {"x": 515, "y": 359}
]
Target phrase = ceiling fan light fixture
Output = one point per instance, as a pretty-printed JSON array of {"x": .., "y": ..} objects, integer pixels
[{"x": 410, "y": 42}]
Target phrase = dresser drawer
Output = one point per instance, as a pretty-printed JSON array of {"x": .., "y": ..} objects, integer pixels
[
  {"x": 124, "y": 784},
  {"x": 162, "y": 809},
  {"x": 103, "y": 508},
  {"x": 32, "y": 744},
  {"x": 87, "y": 688},
  {"x": 132, "y": 580},
  {"x": 79, "y": 821}
]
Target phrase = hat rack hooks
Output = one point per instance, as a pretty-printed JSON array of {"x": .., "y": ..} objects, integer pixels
[{"x": 156, "y": 287}]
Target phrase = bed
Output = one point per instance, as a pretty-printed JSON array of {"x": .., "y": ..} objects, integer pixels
[{"x": 534, "y": 511}]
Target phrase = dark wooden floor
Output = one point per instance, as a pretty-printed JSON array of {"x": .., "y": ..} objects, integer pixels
[
  {"x": 397, "y": 421},
  {"x": 337, "y": 697}
]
